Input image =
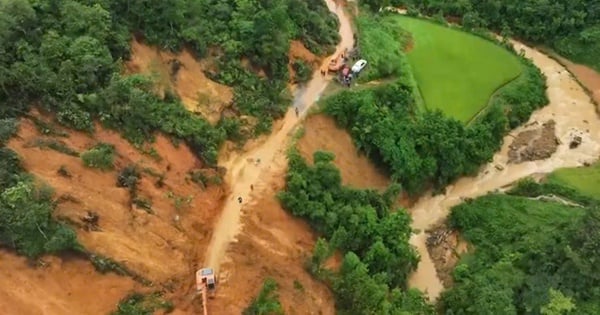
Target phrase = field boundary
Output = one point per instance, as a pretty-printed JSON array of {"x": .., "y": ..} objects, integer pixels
[{"x": 491, "y": 98}]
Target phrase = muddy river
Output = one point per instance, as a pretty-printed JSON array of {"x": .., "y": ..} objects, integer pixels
[{"x": 572, "y": 110}]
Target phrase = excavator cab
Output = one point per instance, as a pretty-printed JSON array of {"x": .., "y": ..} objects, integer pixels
[{"x": 205, "y": 278}]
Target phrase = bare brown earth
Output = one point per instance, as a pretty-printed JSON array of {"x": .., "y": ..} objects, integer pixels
[
  {"x": 321, "y": 133},
  {"x": 273, "y": 244},
  {"x": 164, "y": 246},
  {"x": 64, "y": 286},
  {"x": 299, "y": 52},
  {"x": 197, "y": 92}
]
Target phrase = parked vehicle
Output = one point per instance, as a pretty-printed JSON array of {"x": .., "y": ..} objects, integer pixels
[{"x": 359, "y": 65}]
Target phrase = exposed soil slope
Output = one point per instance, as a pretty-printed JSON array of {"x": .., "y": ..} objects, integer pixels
[
  {"x": 163, "y": 246},
  {"x": 321, "y": 133},
  {"x": 182, "y": 74},
  {"x": 64, "y": 286},
  {"x": 274, "y": 244},
  {"x": 299, "y": 52}
]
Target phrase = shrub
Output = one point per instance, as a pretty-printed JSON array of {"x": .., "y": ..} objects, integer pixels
[
  {"x": 63, "y": 171},
  {"x": 8, "y": 128},
  {"x": 53, "y": 144},
  {"x": 139, "y": 304},
  {"x": 10, "y": 168},
  {"x": 303, "y": 71},
  {"x": 203, "y": 179},
  {"x": 26, "y": 222},
  {"x": 267, "y": 301},
  {"x": 128, "y": 177},
  {"x": 104, "y": 264},
  {"x": 46, "y": 128},
  {"x": 101, "y": 156},
  {"x": 143, "y": 203}
]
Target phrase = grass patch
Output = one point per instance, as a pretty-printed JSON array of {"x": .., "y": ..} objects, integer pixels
[
  {"x": 140, "y": 304},
  {"x": 456, "y": 72},
  {"x": 528, "y": 252},
  {"x": 53, "y": 144},
  {"x": 303, "y": 71},
  {"x": 46, "y": 128},
  {"x": 104, "y": 265},
  {"x": 8, "y": 128},
  {"x": 586, "y": 180},
  {"x": 267, "y": 301},
  {"x": 100, "y": 156},
  {"x": 381, "y": 41}
]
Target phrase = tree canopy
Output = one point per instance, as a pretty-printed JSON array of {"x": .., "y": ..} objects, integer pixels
[
  {"x": 532, "y": 256},
  {"x": 362, "y": 224}
]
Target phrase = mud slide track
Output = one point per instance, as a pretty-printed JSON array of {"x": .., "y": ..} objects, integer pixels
[
  {"x": 572, "y": 110},
  {"x": 254, "y": 167}
]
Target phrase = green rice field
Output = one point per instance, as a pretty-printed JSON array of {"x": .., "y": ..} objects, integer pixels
[
  {"x": 456, "y": 72},
  {"x": 586, "y": 180}
]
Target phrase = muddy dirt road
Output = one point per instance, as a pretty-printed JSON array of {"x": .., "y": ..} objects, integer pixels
[
  {"x": 266, "y": 158},
  {"x": 573, "y": 112}
]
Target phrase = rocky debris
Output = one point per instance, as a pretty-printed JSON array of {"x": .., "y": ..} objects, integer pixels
[
  {"x": 575, "y": 142},
  {"x": 444, "y": 247},
  {"x": 534, "y": 144},
  {"x": 174, "y": 66},
  {"x": 499, "y": 167},
  {"x": 91, "y": 221}
]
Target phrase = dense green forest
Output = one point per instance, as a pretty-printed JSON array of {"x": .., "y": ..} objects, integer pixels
[
  {"x": 420, "y": 148},
  {"x": 65, "y": 57},
  {"x": 572, "y": 27},
  {"x": 361, "y": 224},
  {"x": 530, "y": 257}
]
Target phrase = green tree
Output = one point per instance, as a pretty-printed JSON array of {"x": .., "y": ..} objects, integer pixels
[
  {"x": 26, "y": 222},
  {"x": 267, "y": 301},
  {"x": 558, "y": 304},
  {"x": 357, "y": 292}
]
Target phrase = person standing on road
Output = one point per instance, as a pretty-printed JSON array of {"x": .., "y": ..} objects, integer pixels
[{"x": 296, "y": 110}]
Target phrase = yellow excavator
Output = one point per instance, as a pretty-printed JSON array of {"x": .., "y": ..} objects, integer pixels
[{"x": 206, "y": 283}]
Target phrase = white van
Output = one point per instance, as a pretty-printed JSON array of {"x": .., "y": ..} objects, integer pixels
[{"x": 359, "y": 65}]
